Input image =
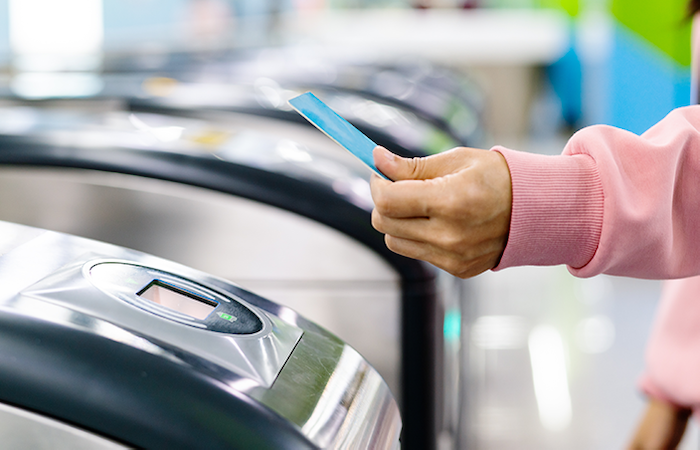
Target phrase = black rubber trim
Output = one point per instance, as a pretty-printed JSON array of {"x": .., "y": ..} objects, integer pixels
[
  {"x": 316, "y": 201},
  {"x": 130, "y": 396}
]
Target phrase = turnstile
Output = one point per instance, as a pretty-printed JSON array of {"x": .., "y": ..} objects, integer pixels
[
  {"x": 284, "y": 219},
  {"x": 411, "y": 94},
  {"x": 107, "y": 348}
]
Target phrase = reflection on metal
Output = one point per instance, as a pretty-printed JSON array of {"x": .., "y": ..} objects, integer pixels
[
  {"x": 21, "y": 429},
  {"x": 270, "y": 94},
  {"x": 501, "y": 411},
  {"x": 162, "y": 134},
  {"x": 499, "y": 332},
  {"x": 351, "y": 411},
  {"x": 73, "y": 288},
  {"x": 548, "y": 359},
  {"x": 292, "y": 151},
  {"x": 337, "y": 401},
  {"x": 39, "y": 85},
  {"x": 17, "y": 121},
  {"x": 454, "y": 297},
  {"x": 380, "y": 115},
  {"x": 595, "y": 334},
  {"x": 498, "y": 424}
]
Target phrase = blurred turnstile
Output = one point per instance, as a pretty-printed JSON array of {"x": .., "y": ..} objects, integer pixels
[
  {"x": 272, "y": 215},
  {"x": 414, "y": 108}
]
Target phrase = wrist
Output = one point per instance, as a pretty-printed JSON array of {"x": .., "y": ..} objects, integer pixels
[{"x": 557, "y": 209}]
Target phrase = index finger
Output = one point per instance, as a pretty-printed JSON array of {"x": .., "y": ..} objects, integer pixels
[{"x": 402, "y": 199}]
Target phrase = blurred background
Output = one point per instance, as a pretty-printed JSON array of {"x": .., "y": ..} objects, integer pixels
[
  {"x": 576, "y": 62},
  {"x": 521, "y": 73}
]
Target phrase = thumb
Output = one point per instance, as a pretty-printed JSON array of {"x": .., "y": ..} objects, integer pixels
[{"x": 397, "y": 168}]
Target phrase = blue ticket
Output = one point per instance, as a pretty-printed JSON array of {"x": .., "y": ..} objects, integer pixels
[{"x": 335, "y": 127}]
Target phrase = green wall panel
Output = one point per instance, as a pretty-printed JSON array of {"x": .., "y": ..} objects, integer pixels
[
  {"x": 663, "y": 23},
  {"x": 570, "y": 6}
]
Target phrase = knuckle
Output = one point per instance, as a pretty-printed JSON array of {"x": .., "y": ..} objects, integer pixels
[
  {"x": 464, "y": 274},
  {"x": 416, "y": 167},
  {"x": 381, "y": 204},
  {"x": 452, "y": 206},
  {"x": 466, "y": 269},
  {"x": 454, "y": 266},
  {"x": 392, "y": 244},
  {"x": 449, "y": 203},
  {"x": 450, "y": 242}
]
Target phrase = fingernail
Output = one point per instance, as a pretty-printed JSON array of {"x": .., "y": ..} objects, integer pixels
[{"x": 389, "y": 157}]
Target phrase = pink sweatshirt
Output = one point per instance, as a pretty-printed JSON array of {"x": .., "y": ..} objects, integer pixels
[
  {"x": 613, "y": 202},
  {"x": 673, "y": 352}
]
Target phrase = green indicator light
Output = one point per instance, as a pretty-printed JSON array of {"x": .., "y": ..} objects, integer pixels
[
  {"x": 132, "y": 281},
  {"x": 228, "y": 317}
]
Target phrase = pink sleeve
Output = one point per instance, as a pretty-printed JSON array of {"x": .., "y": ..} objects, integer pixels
[
  {"x": 613, "y": 202},
  {"x": 672, "y": 363}
]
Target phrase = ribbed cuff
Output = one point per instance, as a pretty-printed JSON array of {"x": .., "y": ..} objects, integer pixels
[{"x": 557, "y": 213}]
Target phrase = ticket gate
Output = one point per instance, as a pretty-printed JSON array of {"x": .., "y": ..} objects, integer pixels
[
  {"x": 283, "y": 219},
  {"x": 107, "y": 348},
  {"x": 389, "y": 125},
  {"x": 410, "y": 91}
]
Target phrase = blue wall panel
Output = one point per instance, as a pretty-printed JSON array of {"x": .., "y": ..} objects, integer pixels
[{"x": 645, "y": 84}]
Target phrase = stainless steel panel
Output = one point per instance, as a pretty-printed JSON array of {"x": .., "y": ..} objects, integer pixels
[
  {"x": 258, "y": 357},
  {"x": 21, "y": 429},
  {"x": 326, "y": 388},
  {"x": 353, "y": 402}
]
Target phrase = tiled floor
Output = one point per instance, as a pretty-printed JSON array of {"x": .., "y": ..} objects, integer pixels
[{"x": 552, "y": 360}]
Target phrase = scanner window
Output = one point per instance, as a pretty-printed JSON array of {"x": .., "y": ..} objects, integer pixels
[{"x": 180, "y": 300}]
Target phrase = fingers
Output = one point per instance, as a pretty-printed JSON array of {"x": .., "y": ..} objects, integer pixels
[
  {"x": 415, "y": 228},
  {"x": 443, "y": 242},
  {"x": 386, "y": 162},
  {"x": 454, "y": 263},
  {"x": 410, "y": 198},
  {"x": 452, "y": 210},
  {"x": 436, "y": 231},
  {"x": 397, "y": 168},
  {"x": 420, "y": 183}
]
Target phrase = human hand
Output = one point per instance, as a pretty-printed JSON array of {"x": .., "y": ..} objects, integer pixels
[
  {"x": 662, "y": 427},
  {"x": 451, "y": 209}
]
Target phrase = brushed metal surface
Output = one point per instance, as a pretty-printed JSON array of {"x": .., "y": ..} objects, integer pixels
[{"x": 21, "y": 429}]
